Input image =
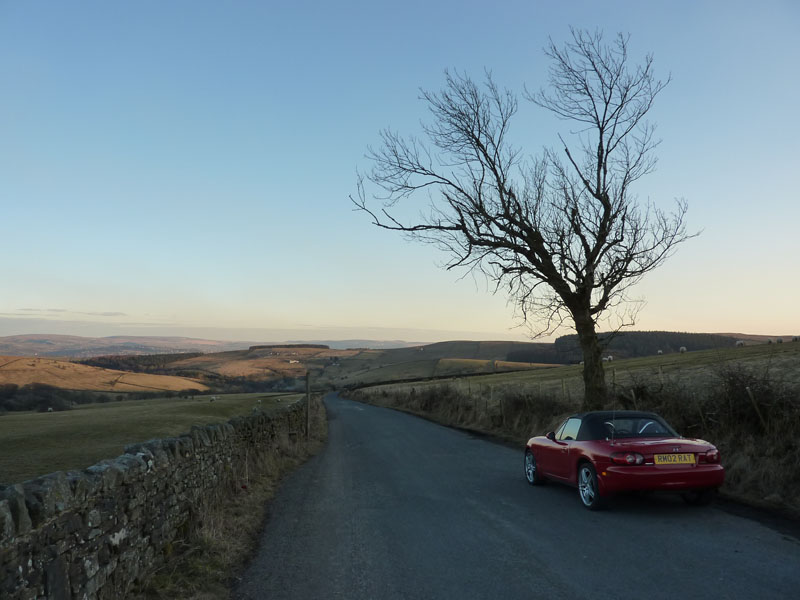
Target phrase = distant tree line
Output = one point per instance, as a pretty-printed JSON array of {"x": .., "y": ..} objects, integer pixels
[
  {"x": 42, "y": 397},
  {"x": 145, "y": 363},
  {"x": 536, "y": 355},
  {"x": 37, "y": 396},
  {"x": 270, "y": 346},
  {"x": 628, "y": 344}
]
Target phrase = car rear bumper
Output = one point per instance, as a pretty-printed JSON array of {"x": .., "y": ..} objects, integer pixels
[{"x": 614, "y": 478}]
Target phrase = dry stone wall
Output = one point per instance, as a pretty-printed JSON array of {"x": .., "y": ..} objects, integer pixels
[{"x": 97, "y": 532}]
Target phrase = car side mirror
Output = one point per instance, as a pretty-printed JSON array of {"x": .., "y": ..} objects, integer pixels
[{"x": 551, "y": 435}]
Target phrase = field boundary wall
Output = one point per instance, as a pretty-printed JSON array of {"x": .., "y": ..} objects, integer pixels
[{"x": 99, "y": 532}]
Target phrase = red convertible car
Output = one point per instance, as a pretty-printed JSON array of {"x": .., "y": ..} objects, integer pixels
[{"x": 605, "y": 452}]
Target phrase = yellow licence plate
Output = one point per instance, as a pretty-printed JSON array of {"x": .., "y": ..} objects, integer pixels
[{"x": 674, "y": 459}]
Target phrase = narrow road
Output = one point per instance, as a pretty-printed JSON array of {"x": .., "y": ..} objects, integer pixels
[{"x": 398, "y": 507}]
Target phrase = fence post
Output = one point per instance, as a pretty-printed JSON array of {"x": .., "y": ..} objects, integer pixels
[{"x": 308, "y": 403}]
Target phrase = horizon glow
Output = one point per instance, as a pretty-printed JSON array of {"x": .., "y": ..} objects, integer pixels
[{"x": 185, "y": 167}]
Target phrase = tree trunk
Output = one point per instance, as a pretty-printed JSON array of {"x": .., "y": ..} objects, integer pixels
[{"x": 594, "y": 377}]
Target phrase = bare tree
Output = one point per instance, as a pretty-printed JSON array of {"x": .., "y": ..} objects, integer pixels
[{"x": 563, "y": 233}]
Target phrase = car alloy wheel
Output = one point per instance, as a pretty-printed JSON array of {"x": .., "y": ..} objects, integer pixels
[
  {"x": 531, "y": 472},
  {"x": 587, "y": 487}
]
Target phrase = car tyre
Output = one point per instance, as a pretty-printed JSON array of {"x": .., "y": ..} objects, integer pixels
[
  {"x": 587, "y": 487},
  {"x": 531, "y": 471},
  {"x": 699, "y": 497}
]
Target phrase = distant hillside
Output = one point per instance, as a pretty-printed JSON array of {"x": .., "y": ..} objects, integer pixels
[
  {"x": 625, "y": 344},
  {"x": 283, "y": 366},
  {"x": 749, "y": 338},
  {"x": 633, "y": 344},
  {"x": 464, "y": 349},
  {"x": 260, "y": 367},
  {"x": 22, "y": 371},
  {"x": 289, "y": 345},
  {"x": 74, "y": 346},
  {"x": 137, "y": 363},
  {"x": 258, "y": 363},
  {"x": 352, "y": 344},
  {"x": 428, "y": 361}
]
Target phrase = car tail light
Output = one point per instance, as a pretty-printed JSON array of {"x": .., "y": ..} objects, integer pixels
[
  {"x": 712, "y": 456},
  {"x": 627, "y": 458}
]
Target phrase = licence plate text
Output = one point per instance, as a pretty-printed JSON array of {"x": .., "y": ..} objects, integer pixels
[{"x": 673, "y": 459}]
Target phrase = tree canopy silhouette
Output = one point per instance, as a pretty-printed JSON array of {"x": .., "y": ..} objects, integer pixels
[{"x": 562, "y": 233}]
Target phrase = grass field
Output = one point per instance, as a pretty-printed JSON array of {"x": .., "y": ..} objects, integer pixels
[
  {"x": 369, "y": 368},
  {"x": 696, "y": 371},
  {"x": 33, "y": 443}
]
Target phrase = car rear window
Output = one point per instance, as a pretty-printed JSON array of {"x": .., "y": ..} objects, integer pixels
[{"x": 598, "y": 427}]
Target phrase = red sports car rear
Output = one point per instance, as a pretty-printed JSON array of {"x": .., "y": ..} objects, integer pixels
[{"x": 606, "y": 452}]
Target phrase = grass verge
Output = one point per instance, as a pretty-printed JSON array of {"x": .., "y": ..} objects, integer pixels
[
  {"x": 751, "y": 413},
  {"x": 204, "y": 565}
]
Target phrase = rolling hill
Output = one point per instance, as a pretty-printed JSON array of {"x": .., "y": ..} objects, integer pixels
[
  {"x": 262, "y": 362},
  {"x": 285, "y": 364},
  {"x": 73, "y": 346},
  {"x": 55, "y": 346},
  {"x": 67, "y": 375},
  {"x": 282, "y": 366}
]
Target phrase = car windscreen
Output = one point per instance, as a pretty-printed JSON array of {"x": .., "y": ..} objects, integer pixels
[{"x": 596, "y": 427}]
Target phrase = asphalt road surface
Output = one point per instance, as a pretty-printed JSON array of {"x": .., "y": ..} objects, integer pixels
[{"x": 398, "y": 507}]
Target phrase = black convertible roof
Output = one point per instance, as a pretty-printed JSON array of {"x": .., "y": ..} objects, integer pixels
[{"x": 608, "y": 414}]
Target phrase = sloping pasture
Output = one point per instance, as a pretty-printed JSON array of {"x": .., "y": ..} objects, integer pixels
[{"x": 36, "y": 443}]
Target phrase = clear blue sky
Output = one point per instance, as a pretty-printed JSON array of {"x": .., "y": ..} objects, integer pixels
[{"x": 183, "y": 168}]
